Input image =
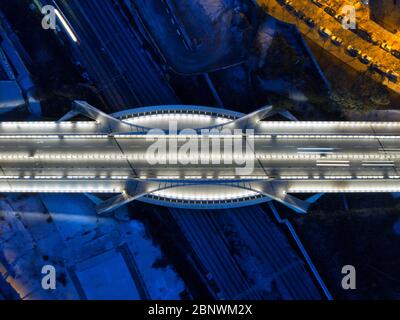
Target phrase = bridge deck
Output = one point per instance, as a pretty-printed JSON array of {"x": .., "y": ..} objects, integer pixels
[{"x": 270, "y": 161}]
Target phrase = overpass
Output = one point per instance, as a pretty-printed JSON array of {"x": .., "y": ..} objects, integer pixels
[{"x": 123, "y": 157}]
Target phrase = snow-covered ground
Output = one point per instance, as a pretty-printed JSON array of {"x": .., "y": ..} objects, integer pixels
[
  {"x": 65, "y": 231},
  {"x": 161, "y": 283},
  {"x": 107, "y": 277}
]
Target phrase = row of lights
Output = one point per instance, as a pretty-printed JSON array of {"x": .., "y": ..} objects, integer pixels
[
  {"x": 337, "y": 177},
  {"x": 208, "y": 177},
  {"x": 207, "y": 197},
  {"x": 53, "y": 136},
  {"x": 328, "y": 123},
  {"x": 211, "y": 135},
  {"x": 197, "y": 177},
  {"x": 342, "y": 190},
  {"x": 266, "y": 123},
  {"x": 59, "y": 177},
  {"x": 60, "y": 190},
  {"x": 47, "y": 123},
  {"x": 256, "y": 136},
  {"x": 334, "y": 136},
  {"x": 330, "y": 159},
  {"x": 125, "y": 177},
  {"x": 173, "y": 116},
  {"x": 147, "y": 137}
]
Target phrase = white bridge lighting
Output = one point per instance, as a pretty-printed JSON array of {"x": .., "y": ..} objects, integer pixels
[{"x": 199, "y": 157}]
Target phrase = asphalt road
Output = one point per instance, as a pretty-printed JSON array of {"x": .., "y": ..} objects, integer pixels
[{"x": 299, "y": 152}]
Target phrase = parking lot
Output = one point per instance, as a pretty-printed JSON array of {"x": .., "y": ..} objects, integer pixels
[{"x": 367, "y": 48}]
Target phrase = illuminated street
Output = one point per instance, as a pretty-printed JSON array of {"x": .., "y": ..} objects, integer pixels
[
  {"x": 323, "y": 19},
  {"x": 278, "y": 159}
]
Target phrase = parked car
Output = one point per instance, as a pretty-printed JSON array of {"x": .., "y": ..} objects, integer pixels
[
  {"x": 375, "y": 41},
  {"x": 310, "y": 22},
  {"x": 352, "y": 51},
  {"x": 378, "y": 68},
  {"x": 330, "y": 11},
  {"x": 325, "y": 32},
  {"x": 337, "y": 41},
  {"x": 299, "y": 14},
  {"x": 392, "y": 76},
  {"x": 339, "y": 18},
  {"x": 386, "y": 47},
  {"x": 317, "y": 3},
  {"x": 289, "y": 5},
  {"x": 365, "y": 59},
  {"x": 395, "y": 53},
  {"x": 363, "y": 34}
]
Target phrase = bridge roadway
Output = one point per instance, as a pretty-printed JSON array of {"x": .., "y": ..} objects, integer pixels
[{"x": 109, "y": 155}]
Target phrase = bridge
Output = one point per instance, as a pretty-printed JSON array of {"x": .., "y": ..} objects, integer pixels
[{"x": 197, "y": 157}]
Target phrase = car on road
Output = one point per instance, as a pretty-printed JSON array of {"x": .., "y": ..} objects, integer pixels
[
  {"x": 353, "y": 51},
  {"x": 395, "y": 53},
  {"x": 378, "y": 68},
  {"x": 310, "y": 22},
  {"x": 330, "y": 11},
  {"x": 392, "y": 75},
  {"x": 365, "y": 59},
  {"x": 386, "y": 47},
  {"x": 325, "y": 32},
  {"x": 317, "y": 3},
  {"x": 337, "y": 41}
]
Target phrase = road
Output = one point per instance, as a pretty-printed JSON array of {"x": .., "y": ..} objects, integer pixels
[{"x": 274, "y": 160}]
